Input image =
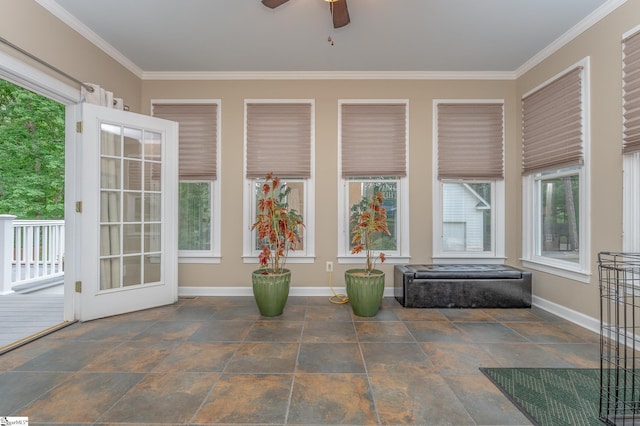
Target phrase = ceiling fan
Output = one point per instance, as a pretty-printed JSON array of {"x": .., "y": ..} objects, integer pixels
[{"x": 338, "y": 9}]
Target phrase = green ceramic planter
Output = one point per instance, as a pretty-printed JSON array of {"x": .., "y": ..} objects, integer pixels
[
  {"x": 364, "y": 291},
  {"x": 271, "y": 291}
]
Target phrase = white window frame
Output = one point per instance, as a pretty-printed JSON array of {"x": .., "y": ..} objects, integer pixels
[
  {"x": 213, "y": 255},
  {"x": 578, "y": 271},
  {"x": 497, "y": 254},
  {"x": 307, "y": 254},
  {"x": 401, "y": 255}
]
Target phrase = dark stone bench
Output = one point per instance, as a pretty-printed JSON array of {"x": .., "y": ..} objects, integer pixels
[{"x": 462, "y": 286}]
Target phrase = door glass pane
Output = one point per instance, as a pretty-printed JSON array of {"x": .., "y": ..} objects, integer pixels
[
  {"x": 152, "y": 173},
  {"x": 110, "y": 173},
  {"x": 132, "y": 175},
  {"x": 132, "y": 143},
  {"x": 132, "y": 207},
  {"x": 152, "y": 268},
  {"x": 152, "y": 238},
  {"x": 131, "y": 273},
  {"x": 109, "y": 273},
  {"x": 152, "y": 146},
  {"x": 109, "y": 206},
  {"x": 110, "y": 139},
  {"x": 109, "y": 240},
  {"x": 152, "y": 207},
  {"x": 132, "y": 239}
]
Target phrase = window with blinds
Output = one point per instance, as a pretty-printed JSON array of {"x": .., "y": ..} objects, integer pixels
[
  {"x": 278, "y": 139},
  {"x": 198, "y": 134},
  {"x": 470, "y": 141},
  {"x": 374, "y": 139},
  {"x": 552, "y": 125},
  {"x": 631, "y": 93}
]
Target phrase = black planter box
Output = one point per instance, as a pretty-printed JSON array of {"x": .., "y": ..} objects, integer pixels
[{"x": 462, "y": 286}]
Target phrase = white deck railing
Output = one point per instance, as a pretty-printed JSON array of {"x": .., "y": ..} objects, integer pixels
[{"x": 30, "y": 250}]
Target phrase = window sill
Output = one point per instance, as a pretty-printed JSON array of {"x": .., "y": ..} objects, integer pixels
[
  {"x": 354, "y": 260},
  {"x": 572, "y": 274},
  {"x": 199, "y": 259},
  {"x": 299, "y": 259}
]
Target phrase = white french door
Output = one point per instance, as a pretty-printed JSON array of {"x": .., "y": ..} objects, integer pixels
[{"x": 128, "y": 257}]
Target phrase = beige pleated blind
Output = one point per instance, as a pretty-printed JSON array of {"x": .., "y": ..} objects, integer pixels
[
  {"x": 470, "y": 141},
  {"x": 197, "y": 134},
  {"x": 374, "y": 140},
  {"x": 279, "y": 140},
  {"x": 631, "y": 90},
  {"x": 552, "y": 125}
]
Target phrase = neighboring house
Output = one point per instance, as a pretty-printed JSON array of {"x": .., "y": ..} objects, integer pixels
[{"x": 463, "y": 218}]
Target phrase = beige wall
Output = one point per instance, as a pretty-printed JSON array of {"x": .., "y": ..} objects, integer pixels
[
  {"x": 232, "y": 271},
  {"x": 602, "y": 43},
  {"x": 29, "y": 26}
]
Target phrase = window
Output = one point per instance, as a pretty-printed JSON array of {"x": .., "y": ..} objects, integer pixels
[
  {"x": 373, "y": 157},
  {"x": 279, "y": 140},
  {"x": 555, "y": 175},
  {"x": 631, "y": 141},
  {"x": 468, "y": 193},
  {"x": 199, "y": 194}
]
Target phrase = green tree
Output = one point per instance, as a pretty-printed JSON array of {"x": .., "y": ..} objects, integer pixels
[{"x": 31, "y": 154}]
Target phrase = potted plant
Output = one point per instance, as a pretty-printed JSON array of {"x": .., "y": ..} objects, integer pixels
[
  {"x": 365, "y": 287},
  {"x": 277, "y": 227}
]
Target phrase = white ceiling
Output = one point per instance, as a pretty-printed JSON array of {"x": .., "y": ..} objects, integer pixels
[{"x": 404, "y": 36}]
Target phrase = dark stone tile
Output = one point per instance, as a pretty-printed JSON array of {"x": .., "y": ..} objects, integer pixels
[
  {"x": 22, "y": 354},
  {"x": 222, "y": 331},
  {"x": 19, "y": 388},
  {"x": 435, "y": 331},
  {"x": 241, "y": 312},
  {"x": 330, "y": 358},
  {"x": 457, "y": 315},
  {"x": 396, "y": 358},
  {"x": 168, "y": 330},
  {"x": 264, "y": 357},
  {"x": 329, "y": 331},
  {"x": 414, "y": 314},
  {"x": 523, "y": 355},
  {"x": 275, "y": 331},
  {"x": 417, "y": 399},
  {"x": 198, "y": 356},
  {"x": 264, "y": 399},
  {"x": 161, "y": 398},
  {"x": 331, "y": 399},
  {"x": 114, "y": 331},
  {"x": 540, "y": 332},
  {"x": 82, "y": 398},
  {"x": 73, "y": 356},
  {"x": 132, "y": 357},
  {"x": 192, "y": 312},
  {"x": 329, "y": 312},
  {"x": 579, "y": 355},
  {"x": 513, "y": 314},
  {"x": 382, "y": 315},
  {"x": 482, "y": 332},
  {"x": 383, "y": 332},
  {"x": 458, "y": 357},
  {"x": 484, "y": 402}
]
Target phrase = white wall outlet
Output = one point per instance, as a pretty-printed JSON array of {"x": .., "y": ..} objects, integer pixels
[{"x": 329, "y": 267}]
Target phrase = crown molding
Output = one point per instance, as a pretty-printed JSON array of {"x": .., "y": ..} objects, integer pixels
[
  {"x": 570, "y": 35},
  {"x": 56, "y": 10},
  {"x": 331, "y": 75}
]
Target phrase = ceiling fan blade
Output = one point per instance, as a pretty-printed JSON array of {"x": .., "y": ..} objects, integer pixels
[
  {"x": 274, "y": 3},
  {"x": 340, "y": 13}
]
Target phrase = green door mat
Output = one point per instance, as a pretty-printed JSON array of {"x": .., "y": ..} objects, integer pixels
[{"x": 551, "y": 396}]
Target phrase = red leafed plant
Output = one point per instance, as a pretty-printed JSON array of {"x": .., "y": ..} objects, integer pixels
[
  {"x": 277, "y": 226},
  {"x": 367, "y": 218}
]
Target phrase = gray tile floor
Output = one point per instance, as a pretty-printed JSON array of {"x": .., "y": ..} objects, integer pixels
[{"x": 215, "y": 360}]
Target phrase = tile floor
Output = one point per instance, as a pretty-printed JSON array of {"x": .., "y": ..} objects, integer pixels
[{"x": 214, "y": 360}]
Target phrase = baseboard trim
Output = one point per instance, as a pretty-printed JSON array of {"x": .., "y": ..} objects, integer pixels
[
  {"x": 248, "y": 291},
  {"x": 575, "y": 317}
]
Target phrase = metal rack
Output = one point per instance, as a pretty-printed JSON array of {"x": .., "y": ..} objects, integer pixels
[{"x": 619, "y": 275}]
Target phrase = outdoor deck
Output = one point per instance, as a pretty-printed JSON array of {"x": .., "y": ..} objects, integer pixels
[{"x": 23, "y": 315}]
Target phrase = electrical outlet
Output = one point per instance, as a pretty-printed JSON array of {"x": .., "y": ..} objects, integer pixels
[{"x": 329, "y": 267}]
